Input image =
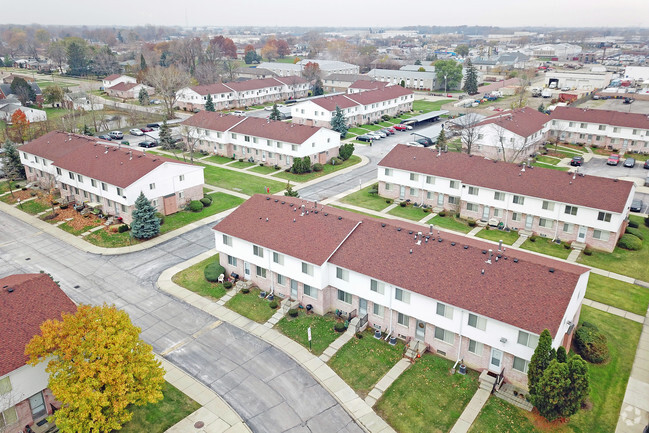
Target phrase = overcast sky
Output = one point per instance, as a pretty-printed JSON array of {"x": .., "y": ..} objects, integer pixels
[{"x": 375, "y": 13}]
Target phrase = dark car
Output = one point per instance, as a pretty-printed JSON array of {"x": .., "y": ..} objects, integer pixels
[
  {"x": 577, "y": 161},
  {"x": 146, "y": 129},
  {"x": 646, "y": 164},
  {"x": 148, "y": 144},
  {"x": 629, "y": 162},
  {"x": 153, "y": 125},
  {"x": 387, "y": 131},
  {"x": 364, "y": 138},
  {"x": 628, "y": 100},
  {"x": 105, "y": 137},
  {"x": 614, "y": 159},
  {"x": 637, "y": 205},
  {"x": 116, "y": 135},
  {"x": 425, "y": 141}
]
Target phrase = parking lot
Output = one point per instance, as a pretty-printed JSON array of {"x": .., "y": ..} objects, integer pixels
[{"x": 641, "y": 107}]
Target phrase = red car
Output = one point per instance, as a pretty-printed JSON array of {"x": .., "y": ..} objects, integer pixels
[
  {"x": 400, "y": 127},
  {"x": 146, "y": 129},
  {"x": 614, "y": 159}
]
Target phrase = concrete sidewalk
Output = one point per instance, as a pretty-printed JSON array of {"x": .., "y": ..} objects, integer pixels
[{"x": 471, "y": 411}]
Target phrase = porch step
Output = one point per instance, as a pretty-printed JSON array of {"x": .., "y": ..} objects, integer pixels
[
  {"x": 415, "y": 349},
  {"x": 579, "y": 246},
  {"x": 506, "y": 392}
]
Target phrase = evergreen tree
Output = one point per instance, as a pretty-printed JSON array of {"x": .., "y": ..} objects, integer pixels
[
  {"x": 165, "y": 139},
  {"x": 540, "y": 361},
  {"x": 562, "y": 356},
  {"x": 142, "y": 63},
  {"x": 346, "y": 151},
  {"x": 87, "y": 131},
  {"x": 418, "y": 62},
  {"x": 579, "y": 386},
  {"x": 143, "y": 96},
  {"x": 551, "y": 391},
  {"x": 145, "y": 223},
  {"x": 290, "y": 192},
  {"x": 471, "y": 79},
  {"x": 338, "y": 123},
  {"x": 209, "y": 103},
  {"x": 275, "y": 114},
  {"x": 403, "y": 83},
  {"x": 541, "y": 108},
  {"x": 318, "y": 88},
  {"x": 11, "y": 161},
  {"x": 441, "y": 139},
  {"x": 163, "y": 59}
]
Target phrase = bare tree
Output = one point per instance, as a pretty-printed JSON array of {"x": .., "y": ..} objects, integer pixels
[
  {"x": 167, "y": 82},
  {"x": 192, "y": 137},
  {"x": 524, "y": 81},
  {"x": 511, "y": 148},
  {"x": 207, "y": 73},
  {"x": 469, "y": 131},
  {"x": 8, "y": 399}
]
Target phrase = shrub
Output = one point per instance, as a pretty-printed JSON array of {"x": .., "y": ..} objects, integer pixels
[
  {"x": 566, "y": 245},
  {"x": 213, "y": 271},
  {"x": 629, "y": 242},
  {"x": 635, "y": 232},
  {"x": 318, "y": 167},
  {"x": 389, "y": 201},
  {"x": 261, "y": 164},
  {"x": 63, "y": 206},
  {"x": 272, "y": 304},
  {"x": 195, "y": 206},
  {"x": 123, "y": 228},
  {"x": 471, "y": 223},
  {"x": 245, "y": 290},
  {"x": 442, "y": 214},
  {"x": 588, "y": 251},
  {"x": 403, "y": 204},
  {"x": 335, "y": 161},
  {"x": 276, "y": 167},
  {"x": 240, "y": 159},
  {"x": 207, "y": 201},
  {"x": 533, "y": 238},
  {"x": 646, "y": 221},
  {"x": 385, "y": 117},
  {"x": 633, "y": 224},
  {"x": 293, "y": 312},
  {"x": 160, "y": 217},
  {"x": 591, "y": 344},
  {"x": 227, "y": 285},
  {"x": 339, "y": 327}
]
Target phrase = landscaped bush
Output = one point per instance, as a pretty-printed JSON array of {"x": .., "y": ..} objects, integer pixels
[
  {"x": 318, "y": 167},
  {"x": 588, "y": 251},
  {"x": 335, "y": 161},
  {"x": 240, "y": 159},
  {"x": 385, "y": 117},
  {"x": 273, "y": 304},
  {"x": 195, "y": 206},
  {"x": 403, "y": 204},
  {"x": 591, "y": 344},
  {"x": 293, "y": 312},
  {"x": 123, "y": 228},
  {"x": 339, "y": 327},
  {"x": 245, "y": 290},
  {"x": 213, "y": 271},
  {"x": 633, "y": 224},
  {"x": 442, "y": 214},
  {"x": 227, "y": 285},
  {"x": 471, "y": 223},
  {"x": 374, "y": 189},
  {"x": 207, "y": 201},
  {"x": 630, "y": 242},
  {"x": 635, "y": 232},
  {"x": 533, "y": 238},
  {"x": 63, "y": 206},
  {"x": 160, "y": 217},
  {"x": 566, "y": 245},
  {"x": 276, "y": 167},
  {"x": 389, "y": 201},
  {"x": 646, "y": 221}
]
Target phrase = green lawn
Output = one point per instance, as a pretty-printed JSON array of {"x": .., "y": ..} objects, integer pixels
[
  {"x": 546, "y": 246},
  {"x": 363, "y": 198},
  {"x": 218, "y": 159},
  {"x": 62, "y": 84},
  {"x": 496, "y": 235},
  {"x": 34, "y": 207},
  {"x": 4, "y": 185},
  {"x": 607, "y": 381},
  {"x": 220, "y": 202},
  {"x": 450, "y": 222},
  {"x": 240, "y": 182},
  {"x": 241, "y": 164},
  {"x": 363, "y": 362},
  {"x": 327, "y": 169},
  {"x": 357, "y": 131},
  {"x": 625, "y": 262},
  {"x": 193, "y": 278},
  {"x": 264, "y": 169},
  {"x": 548, "y": 159},
  {"x": 425, "y": 398},
  {"x": 550, "y": 166},
  {"x": 609, "y": 291},
  {"x": 160, "y": 416},
  {"x": 372, "y": 127},
  {"x": 322, "y": 330},
  {"x": 427, "y": 106},
  {"x": 251, "y": 306},
  {"x": 410, "y": 212},
  {"x": 102, "y": 238},
  {"x": 66, "y": 227}
]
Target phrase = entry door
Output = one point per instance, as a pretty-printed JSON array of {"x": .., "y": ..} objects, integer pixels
[
  {"x": 402, "y": 192},
  {"x": 362, "y": 307},
  {"x": 263, "y": 156},
  {"x": 581, "y": 235},
  {"x": 293, "y": 289},
  {"x": 528, "y": 222},
  {"x": 420, "y": 331},
  {"x": 37, "y": 405},
  {"x": 485, "y": 213},
  {"x": 246, "y": 269},
  {"x": 496, "y": 360}
]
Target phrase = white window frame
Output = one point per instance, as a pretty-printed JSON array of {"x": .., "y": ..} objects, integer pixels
[
  {"x": 479, "y": 322},
  {"x": 401, "y": 295}
]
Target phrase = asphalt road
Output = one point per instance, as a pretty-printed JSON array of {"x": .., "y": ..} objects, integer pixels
[{"x": 270, "y": 391}]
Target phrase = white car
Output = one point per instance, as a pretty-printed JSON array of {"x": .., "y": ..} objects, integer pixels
[
  {"x": 268, "y": 108},
  {"x": 136, "y": 131},
  {"x": 374, "y": 135},
  {"x": 239, "y": 113}
]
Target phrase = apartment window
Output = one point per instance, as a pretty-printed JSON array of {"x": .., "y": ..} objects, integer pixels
[
  {"x": 520, "y": 364},
  {"x": 181, "y": 177},
  {"x": 105, "y": 187},
  {"x": 635, "y": 132},
  {"x": 571, "y": 210},
  {"x": 378, "y": 310},
  {"x": 64, "y": 186},
  {"x": 5, "y": 385},
  {"x": 232, "y": 261},
  {"x": 499, "y": 195},
  {"x": 545, "y": 222},
  {"x": 480, "y": 136},
  {"x": 477, "y": 322},
  {"x": 475, "y": 347},
  {"x": 342, "y": 274},
  {"x": 473, "y": 190},
  {"x": 388, "y": 186},
  {"x": 8, "y": 417},
  {"x": 454, "y": 184},
  {"x": 258, "y": 251},
  {"x": 76, "y": 190},
  {"x": 307, "y": 268},
  {"x": 246, "y": 138},
  {"x": 227, "y": 240},
  {"x": 527, "y": 339},
  {"x": 234, "y": 135},
  {"x": 444, "y": 310},
  {"x": 403, "y": 320},
  {"x": 472, "y": 207},
  {"x": 582, "y": 125},
  {"x": 154, "y": 203},
  {"x": 616, "y": 129},
  {"x": 430, "y": 180},
  {"x": 601, "y": 235},
  {"x": 311, "y": 291},
  {"x": 71, "y": 175},
  {"x": 604, "y": 216},
  {"x": 453, "y": 200},
  {"x": 281, "y": 280},
  {"x": 119, "y": 191},
  {"x": 414, "y": 177},
  {"x": 444, "y": 335},
  {"x": 79, "y": 178},
  {"x": 261, "y": 272},
  {"x": 602, "y": 127},
  {"x": 414, "y": 191},
  {"x": 377, "y": 286},
  {"x": 278, "y": 258},
  {"x": 401, "y": 295},
  {"x": 152, "y": 186},
  {"x": 547, "y": 205},
  {"x": 123, "y": 207},
  {"x": 93, "y": 182},
  {"x": 518, "y": 199},
  {"x": 344, "y": 296},
  {"x": 85, "y": 195},
  {"x": 567, "y": 227},
  {"x": 571, "y": 124}
]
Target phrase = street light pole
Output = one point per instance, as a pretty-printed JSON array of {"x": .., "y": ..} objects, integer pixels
[{"x": 445, "y": 84}]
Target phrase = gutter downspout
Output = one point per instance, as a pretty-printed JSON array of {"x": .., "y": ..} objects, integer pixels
[
  {"x": 556, "y": 230},
  {"x": 459, "y": 351},
  {"x": 390, "y": 308}
]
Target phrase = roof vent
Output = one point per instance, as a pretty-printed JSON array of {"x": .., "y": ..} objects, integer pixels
[
  {"x": 283, "y": 202},
  {"x": 382, "y": 224},
  {"x": 482, "y": 272},
  {"x": 484, "y": 251},
  {"x": 439, "y": 239},
  {"x": 398, "y": 229},
  {"x": 11, "y": 290},
  {"x": 267, "y": 198},
  {"x": 614, "y": 180},
  {"x": 466, "y": 247},
  {"x": 410, "y": 232},
  {"x": 276, "y": 200},
  {"x": 515, "y": 260},
  {"x": 339, "y": 218},
  {"x": 551, "y": 270},
  {"x": 410, "y": 250},
  {"x": 293, "y": 219},
  {"x": 326, "y": 214},
  {"x": 452, "y": 244}
]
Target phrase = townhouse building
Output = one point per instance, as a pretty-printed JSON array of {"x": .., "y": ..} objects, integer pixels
[
  {"x": 359, "y": 108},
  {"x": 26, "y": 301},
  {"x": 511, "y": 136},
  {"x": 623, "y": 132},
  {"x": 404, "y": 281},
  {"x": 340, "y": 82},
  {"x": 85, "y": 170},
  {"x": 127, "y": 90},
  {"x": 259, "y": 140},
  {"x": 558, "y": 205},
  {"x": 115, "y": 79},
  {"x": 326, "y": 67},
  {"x": 237, "y": 94},
  {"x": 412, "y": 79}
]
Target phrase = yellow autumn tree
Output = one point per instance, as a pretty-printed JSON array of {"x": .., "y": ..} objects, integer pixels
[{"x": 98, "y": 366}]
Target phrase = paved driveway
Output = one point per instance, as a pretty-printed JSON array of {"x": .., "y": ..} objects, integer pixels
[{"x": 270, "y": 391}]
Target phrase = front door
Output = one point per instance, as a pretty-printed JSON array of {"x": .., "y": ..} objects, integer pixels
[
  {"x": 362, "y": 307},
  {"x": 37, "y": 405},
  {"x": 420, "y": 331},
  {"x": 528, "y": 222},
  {"x": 581, "y": 234},
  {"x": 293, "y": 289},
  {"x": 263, "y": 156},
  {"x": 496, "y": 360},
  {"x": 402, "y": 192},
  {"x": 485, "y": 213},
  {"x": 246, "y": 270}
]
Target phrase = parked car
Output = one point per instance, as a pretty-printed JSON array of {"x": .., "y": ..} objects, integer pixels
[
  {"x": 268, "y": 108},
  {"x": 391, "y": 129},
  {"x": 646, "y": 165},
  {"x": 577, "y": 161},
  {"x": 148, "y": 144},
  {"x": 136, "y": 131},
  {"x": 426, "y": 142},
  {"x": 364, "y": 138},
  {"x": 374, "y": 135},
  {"x": 414, "y": 143},
  {"x": 146, "y": 129},
  {"x": 105, "y": 137},
  {"x": 116, "y": 135},
  {"x": 400, "y": 127},
  {"x": 380, "y": 133},
  {"x": 386, "y": 131},
  {"x": 290, "y": 101},
  {"x": 239, "y": 113},
  {"x": 614, "y": 159},
  {"x": 153, "y": 125},
  {"x": 637, "y": 205},
  {"x": 629, "y": 162},
  {"x": 125, "y": 143},
  {"x": 155, "y": 102},
  {"x": 628, "y": 100}
]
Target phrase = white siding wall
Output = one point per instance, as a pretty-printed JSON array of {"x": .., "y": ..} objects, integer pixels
[{"x": 25, "y": 382}]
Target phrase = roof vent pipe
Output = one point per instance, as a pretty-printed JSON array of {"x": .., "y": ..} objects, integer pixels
[{"x": 500, "y": 245}]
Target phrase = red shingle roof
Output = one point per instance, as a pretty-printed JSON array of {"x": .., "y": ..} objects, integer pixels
[
  {"x": 605, "y": 117},
  {"x": 329, "y": 103},
  {"x": 243, "y": 86},
  {"x": 524, "y": 294},
  {"x": 380, "y": 95},
  {"x": 112, "y": 77},
  {"x": 522, "y": 121},
  {"x": 368, "y": 84},
  {"x": 35, "y": 299},
  {"x": 211, "y": 89},
  {"x": 122, "y": 87},
  {"x": 212, "y": 120},
  {"x": 590, "y": 191}
]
